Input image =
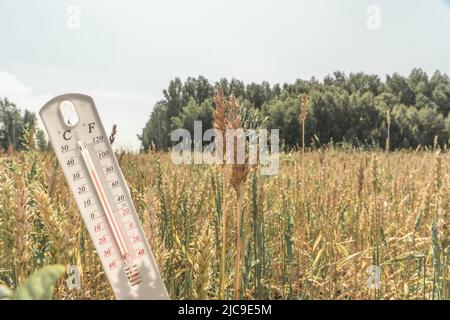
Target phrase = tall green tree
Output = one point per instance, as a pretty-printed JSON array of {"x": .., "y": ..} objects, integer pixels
[
  {"x": 351, "y": 108},
  {"x": 14, "y": 125}
]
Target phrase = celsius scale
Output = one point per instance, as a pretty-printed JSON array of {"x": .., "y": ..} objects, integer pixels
[{"x": 89, "y": 164}]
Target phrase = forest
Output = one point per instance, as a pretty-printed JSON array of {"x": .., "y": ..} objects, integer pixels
[{"x": 357, "y": 109}]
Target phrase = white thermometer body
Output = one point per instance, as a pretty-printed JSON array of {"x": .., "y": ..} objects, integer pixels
[{"x": 102, "y": 196}]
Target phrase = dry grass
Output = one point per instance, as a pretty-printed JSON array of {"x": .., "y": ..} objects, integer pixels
[{"x": 304, "y": 236}]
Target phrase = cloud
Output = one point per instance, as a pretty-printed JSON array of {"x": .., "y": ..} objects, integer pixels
[
  {"x": 128, "y": 109},
  {"x": 20, "y": 94}
]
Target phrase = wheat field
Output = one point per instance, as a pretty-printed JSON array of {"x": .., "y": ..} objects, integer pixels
[{"x": 312, "y": 231}]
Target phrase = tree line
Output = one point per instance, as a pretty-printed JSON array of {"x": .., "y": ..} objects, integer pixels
[
  {"x": 356, "y": 109},
  {"x": 18, "y": 130}
]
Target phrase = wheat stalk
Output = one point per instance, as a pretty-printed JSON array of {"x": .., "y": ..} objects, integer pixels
[
  {"x": 220, "y": 125},
  {"x": 62, "y": 236},
  {"x": 112, "y": 136},
  {"x": 202, "y": 265},
  {"x": 22, "y": 228},
  {"x": 239, "y": 173},
  {"x": 6, "y": 221},
  {"x": 303, "y": 116},
  {"x": 220, "y": 122},
  {"x": 388, "y": 139},
  {"x": 151, "y": 225}
]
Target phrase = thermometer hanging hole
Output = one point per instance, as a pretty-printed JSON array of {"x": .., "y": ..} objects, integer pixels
[{"x": 69, "y": 113}]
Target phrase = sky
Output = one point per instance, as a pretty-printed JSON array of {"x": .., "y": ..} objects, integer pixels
[{"x": 124, "y": 53}]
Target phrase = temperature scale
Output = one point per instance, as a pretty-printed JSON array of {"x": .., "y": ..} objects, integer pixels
[{"x": 102, "y": 195}]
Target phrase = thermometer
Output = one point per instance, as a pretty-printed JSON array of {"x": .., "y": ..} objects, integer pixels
[{"x": 102, "y": 196}]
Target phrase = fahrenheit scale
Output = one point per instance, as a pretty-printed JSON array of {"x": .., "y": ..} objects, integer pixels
[{"x": 102, "y": 195}]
